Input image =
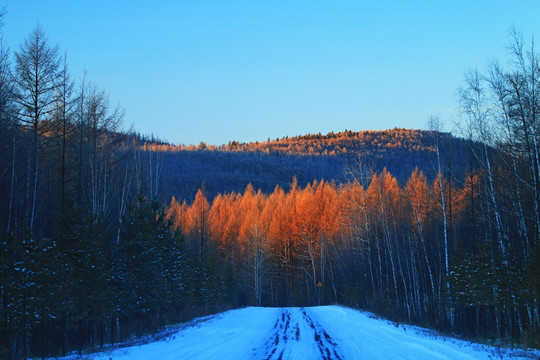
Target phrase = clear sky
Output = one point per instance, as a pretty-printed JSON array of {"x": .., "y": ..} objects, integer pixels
[{"x": 216, "y": 71}]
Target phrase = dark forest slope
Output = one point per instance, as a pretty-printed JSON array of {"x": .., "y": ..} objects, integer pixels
[{"x": 330, "y": 157}]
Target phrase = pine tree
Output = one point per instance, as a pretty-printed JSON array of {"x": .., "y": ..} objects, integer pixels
[{"x": 153, "y": 263}]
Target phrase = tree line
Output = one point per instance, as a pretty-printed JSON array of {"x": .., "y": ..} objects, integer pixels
[
  {"x": 330, "y": 144},
  {"x": 233, "y": 166}
]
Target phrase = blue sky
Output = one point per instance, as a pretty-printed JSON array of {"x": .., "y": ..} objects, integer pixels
[{"x": 216, "y": 71}]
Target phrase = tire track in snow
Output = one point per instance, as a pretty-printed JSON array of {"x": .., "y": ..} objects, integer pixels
[
  {"x": 292, "y": 327},
  {"x": 279, "y": 330},
  {"x": 327, "y": 346}
]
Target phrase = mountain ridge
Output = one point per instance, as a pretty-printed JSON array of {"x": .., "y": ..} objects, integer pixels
[{"x": 330, "y": 157}]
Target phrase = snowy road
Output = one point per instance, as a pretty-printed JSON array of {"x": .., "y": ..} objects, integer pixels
[
  {"x": 329, "y": 332},
  {"x": 296, "y": 335}
]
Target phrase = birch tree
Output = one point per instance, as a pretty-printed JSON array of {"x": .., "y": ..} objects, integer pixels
[
  {"x": 435, "y": 125},
  {"x": 102, "y": 124}
]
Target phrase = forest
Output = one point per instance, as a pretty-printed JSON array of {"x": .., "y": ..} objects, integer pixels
[
  {"x": 331, "y": 157},
  {"x": 106, "y": 235}
]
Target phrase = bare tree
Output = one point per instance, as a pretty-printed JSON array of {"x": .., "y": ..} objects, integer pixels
[
  {"x": 102, "y": 126},
  {"x": 524, "y": 103},
  {"x": 500, "y": 112},
  {"x": 257, "y": 254},
  {"x": 479, "y": 117},
  {"x": 36, "y": 79},
  {"x": 63, "y": 114},
  {"x": 7, "y": 130},
  {"x": 435, "y": 125}
]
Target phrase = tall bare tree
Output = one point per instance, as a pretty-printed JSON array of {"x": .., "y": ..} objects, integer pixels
[
  {"x": 7, "y": 133},
  {"x": 435, "y": 125},
  {"x": 36, "y": 78},
  {"x": 102, "y": 126},
  {"x": 62, "y": 117}
]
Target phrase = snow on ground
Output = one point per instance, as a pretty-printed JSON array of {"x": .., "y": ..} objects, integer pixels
[{"x": 327, "y": 332}]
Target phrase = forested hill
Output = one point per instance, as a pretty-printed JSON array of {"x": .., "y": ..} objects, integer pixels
[
  {"x": 355, "y": 142},
  {"x": 329, "y": 157}
]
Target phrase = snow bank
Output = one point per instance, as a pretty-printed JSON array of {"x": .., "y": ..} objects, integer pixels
[{"x": 329, "y": 332}]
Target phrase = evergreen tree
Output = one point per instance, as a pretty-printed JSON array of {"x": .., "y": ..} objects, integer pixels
[{"x": 153, "y": 263}]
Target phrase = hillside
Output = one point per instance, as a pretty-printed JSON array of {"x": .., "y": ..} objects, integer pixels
[
  {"x": 329, "y": 157},
  {"x": 329, "y": 332}
]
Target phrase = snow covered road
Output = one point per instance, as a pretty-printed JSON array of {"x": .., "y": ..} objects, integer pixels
[
  {"x": 295, "y": 335},
  {"x": 329, "y": 332}
]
